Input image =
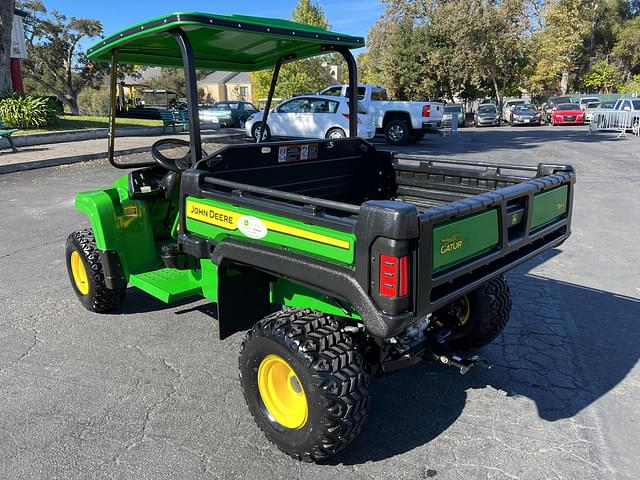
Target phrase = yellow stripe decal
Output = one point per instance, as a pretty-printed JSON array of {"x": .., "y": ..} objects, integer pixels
[
  {"x": 229, "y": 220},
  {"x": 298, "y": 232}
]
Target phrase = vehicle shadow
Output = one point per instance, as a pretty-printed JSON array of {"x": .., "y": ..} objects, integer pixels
[
  {"x": 553, "y": 351},
  {"x": 137, "y": 301}
]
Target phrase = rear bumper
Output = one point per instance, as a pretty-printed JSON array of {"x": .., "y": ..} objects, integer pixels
[{"x": 431, "y": 126}]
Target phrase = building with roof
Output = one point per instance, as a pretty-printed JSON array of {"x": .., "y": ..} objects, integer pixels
[{"x": 218, "y": 86}]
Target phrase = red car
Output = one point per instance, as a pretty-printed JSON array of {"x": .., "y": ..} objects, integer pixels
[{"x": 567, "y": 114}]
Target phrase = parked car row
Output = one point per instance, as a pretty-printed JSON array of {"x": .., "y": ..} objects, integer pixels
[{"x": 326, "y": 115}]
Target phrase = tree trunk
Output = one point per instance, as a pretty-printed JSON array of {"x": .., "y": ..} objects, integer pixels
[
  {"x": 564, "y": 82},
  {"x": 73, "y": 105},
  {"x": 7, "y": 8},
  {"x": 497, "y": 90}
]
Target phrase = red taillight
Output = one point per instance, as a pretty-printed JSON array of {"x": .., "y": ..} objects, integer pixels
[
  {"x": 347, "y": 116},
  {"x": 426, "y": 110},
  {"x": 394, "y": 276}
]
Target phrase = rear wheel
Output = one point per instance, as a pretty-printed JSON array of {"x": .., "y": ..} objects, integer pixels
[
  {"x": 266, "y": 134},
  {"x": 336, "y": 133},
  {"x": 481, "y": 315},
  {"x": 86, "y": 275},
  {"x": 396, "y": 132},
  {"x": 304, "y": 383}
]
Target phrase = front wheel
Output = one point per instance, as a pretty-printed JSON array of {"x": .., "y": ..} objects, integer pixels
[
  {"x": 304, "y": 383},
  {"x": 481, "y": 315},
  {"x": 396, "y": 132},
  {"x": 86, "y": 274}
]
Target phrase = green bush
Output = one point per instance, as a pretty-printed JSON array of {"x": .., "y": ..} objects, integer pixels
[
  {"x": 94, "y": 101},
  {"x": 27, "y": 111},
  {"x": 56, "y": 104}
]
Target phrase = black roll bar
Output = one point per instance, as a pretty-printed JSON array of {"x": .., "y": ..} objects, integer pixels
[
  {"x": 191, "y": 85},
  {"x": 272, "y": 88},
  {"x": 113, "y": 86},
  {"x": 353, "y": 89}
]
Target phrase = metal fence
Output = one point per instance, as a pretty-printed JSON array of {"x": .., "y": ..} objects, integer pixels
[{"x": 621, "y": 121}]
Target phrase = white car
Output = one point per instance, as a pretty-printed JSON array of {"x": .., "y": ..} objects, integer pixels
[{"x": 311, "y": 116}]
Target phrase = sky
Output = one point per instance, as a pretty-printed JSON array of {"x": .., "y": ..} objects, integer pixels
[{"x": 353, "y": 17}]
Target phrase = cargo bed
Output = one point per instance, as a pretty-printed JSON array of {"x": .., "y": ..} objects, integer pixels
[{"x": 458, "y": 223}]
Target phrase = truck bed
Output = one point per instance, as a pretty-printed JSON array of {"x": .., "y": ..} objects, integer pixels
[{"x": 459, "y": 223}]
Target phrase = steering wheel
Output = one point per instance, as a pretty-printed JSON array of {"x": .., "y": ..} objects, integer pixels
[{"x": 178, "y": 164}]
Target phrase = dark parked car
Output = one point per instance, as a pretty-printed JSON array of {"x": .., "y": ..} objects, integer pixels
[
  {"x": 487, "y": 115},
  {"x": 231, "y": 113},
  {"x": 524, "y": 114}
]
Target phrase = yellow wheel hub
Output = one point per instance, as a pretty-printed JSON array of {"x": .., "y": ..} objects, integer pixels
[
  {"x": 79, "y": 273},
  {"x": 282, "y": 392},
  {"x": 466, "y": 310}
]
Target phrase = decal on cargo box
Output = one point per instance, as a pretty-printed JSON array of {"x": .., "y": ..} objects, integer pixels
[
  {"x": 212, "y": 215},
  {"x": 252, "y": 227},
  {"x": 451, "y": 243},
  {"x": 292, "y": 153}
]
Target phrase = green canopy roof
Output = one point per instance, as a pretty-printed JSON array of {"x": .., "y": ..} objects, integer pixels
[{"x": 236, "y": 42}]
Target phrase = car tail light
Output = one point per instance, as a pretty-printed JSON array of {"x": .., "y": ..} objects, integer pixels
[
  {"x": 426, "y": 110},
  {"x": 347, "y": 116},
  {"x": 394, "y": 276}
]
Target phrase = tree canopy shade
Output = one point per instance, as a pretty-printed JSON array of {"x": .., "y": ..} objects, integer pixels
[{"x": 236, "y": 42}]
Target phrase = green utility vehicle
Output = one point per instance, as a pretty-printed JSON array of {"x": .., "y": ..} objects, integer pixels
[{"x": 340, "y": 261}]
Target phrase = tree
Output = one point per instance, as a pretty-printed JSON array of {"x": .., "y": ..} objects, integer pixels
[
  {"x": 56, "y": 61},
  {"x": 431, "y": 49},
  {"x": 627, "y": 46},
  {"x": 7, "y": 8},
  {"x": 603, "y": 77},
  {"x": 308, "y": 75},
  {"x": 562, "y": 44}
]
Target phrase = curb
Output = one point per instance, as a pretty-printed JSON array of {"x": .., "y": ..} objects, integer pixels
[
  {"x": 64, "y": 136},
  {"x": 54, "y": 162}
]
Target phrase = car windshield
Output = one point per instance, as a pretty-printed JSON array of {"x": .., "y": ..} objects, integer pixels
[
  {"x": 453, "y": 109},
  {"x": 636, "y": 104},
  {"x": 227, "y": 106},
  {"x": 568, "y": 106},
  {"x": 593, "y": 105},
  {"x": 487, "y": 110},
  {"x": 608, "y": 104},
  {"x": 525, "y": 108},
  {"x": 589, "y": 100}
]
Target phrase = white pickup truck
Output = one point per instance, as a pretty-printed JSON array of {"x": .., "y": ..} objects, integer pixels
[{"x": 401, "y": 122}]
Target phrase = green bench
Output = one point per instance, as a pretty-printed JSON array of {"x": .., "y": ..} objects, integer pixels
[
  {"x": 174, "y": 118},
  {"x": 6, "y": 133}
]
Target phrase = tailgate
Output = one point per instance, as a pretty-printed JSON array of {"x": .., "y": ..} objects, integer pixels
[{"x": 467, "y": 242}]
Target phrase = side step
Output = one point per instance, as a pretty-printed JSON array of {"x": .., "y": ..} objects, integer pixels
[{"x": 167, "y": 284}]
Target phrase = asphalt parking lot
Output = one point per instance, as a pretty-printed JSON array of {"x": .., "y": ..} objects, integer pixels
[{"x": 149, "y": 392}]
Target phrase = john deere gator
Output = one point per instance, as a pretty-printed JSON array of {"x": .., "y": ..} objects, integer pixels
[{"x": 340, "y": 261}]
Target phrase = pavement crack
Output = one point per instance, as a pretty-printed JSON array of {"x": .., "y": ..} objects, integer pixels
[
  {"x": 148, "y": 414},
  {"x": 36, "y": 340}
]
